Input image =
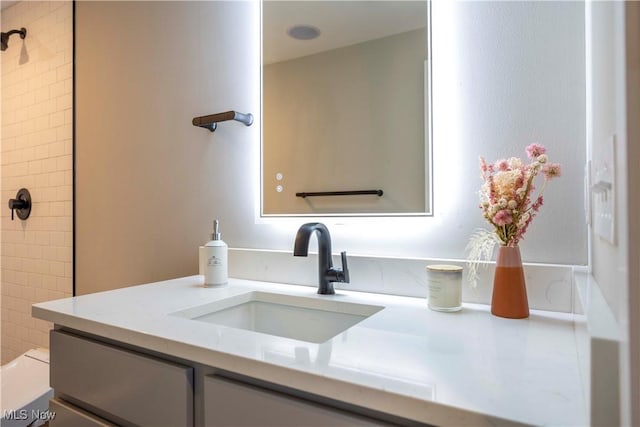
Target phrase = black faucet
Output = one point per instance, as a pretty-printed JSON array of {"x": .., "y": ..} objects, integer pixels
[{"x": 326, "y": 273}]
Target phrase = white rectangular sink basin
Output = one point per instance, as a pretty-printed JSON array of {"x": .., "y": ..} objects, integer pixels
[{"x": 313, "y": 320}]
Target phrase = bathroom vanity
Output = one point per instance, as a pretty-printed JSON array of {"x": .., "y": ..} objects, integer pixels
[{"x": 175, "y": 353}]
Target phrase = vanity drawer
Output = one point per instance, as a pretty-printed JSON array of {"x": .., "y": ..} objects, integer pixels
[
  {"x": 68, "y": 415},
  {"x": 232, "y": 403},
  {"x": 120, "y": 384}
]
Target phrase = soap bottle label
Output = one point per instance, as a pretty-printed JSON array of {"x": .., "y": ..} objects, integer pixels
[
  {"x": 214, "y": 262},
  {"x": 216, "y": 270}
]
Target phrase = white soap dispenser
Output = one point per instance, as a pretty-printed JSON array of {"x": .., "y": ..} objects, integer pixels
[{"x": 214, "y": 259}]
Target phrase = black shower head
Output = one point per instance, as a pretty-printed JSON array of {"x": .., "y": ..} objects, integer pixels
[{"x": 4, "y": 37}]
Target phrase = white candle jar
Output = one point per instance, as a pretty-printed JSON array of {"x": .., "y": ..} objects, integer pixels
[{"x": 445, "y": 287}]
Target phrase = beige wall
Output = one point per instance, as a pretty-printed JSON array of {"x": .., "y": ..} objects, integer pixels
[
  {"x": 149, "y": 183},
  {"x": 36, "y": 154},
  {"x": 351, "y": 118}
]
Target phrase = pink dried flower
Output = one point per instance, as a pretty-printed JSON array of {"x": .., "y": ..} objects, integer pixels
[
  {"x": 492, "y": 190},
  {"x": 538, "y": 204},
  {"x": 520, "y": 181},
  {"x": 502, "y": 165},
  {"x": 507, "y": 196},
  {"x": 535, "y": 150},
  {"x": 503, "y": 217},
  {"x": 552, "y": 170}
]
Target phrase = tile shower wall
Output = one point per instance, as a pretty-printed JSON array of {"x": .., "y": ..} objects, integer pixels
[{"x": 36, "y": 256}]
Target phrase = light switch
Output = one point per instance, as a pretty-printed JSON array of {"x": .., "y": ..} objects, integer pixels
[{"x": 603, "y": 192}]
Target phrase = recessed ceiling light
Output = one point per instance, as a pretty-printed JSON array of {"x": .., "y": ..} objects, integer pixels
[{"x": 303, "y": 32}]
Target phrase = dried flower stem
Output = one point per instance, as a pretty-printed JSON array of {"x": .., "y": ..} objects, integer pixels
[{"x": 480, "y": 248}]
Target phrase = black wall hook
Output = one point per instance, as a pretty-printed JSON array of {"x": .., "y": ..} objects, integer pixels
[{"x": 21, "y": 204}]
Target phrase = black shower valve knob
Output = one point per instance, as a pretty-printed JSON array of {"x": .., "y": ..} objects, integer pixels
[
  {"x": 17, "y": 204},
  {"x": 21, "y": 204}
]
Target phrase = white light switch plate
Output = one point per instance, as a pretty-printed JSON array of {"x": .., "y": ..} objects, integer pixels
[
  {"x": 603, "y": 192},
  {"x": 587, "y": 192}
]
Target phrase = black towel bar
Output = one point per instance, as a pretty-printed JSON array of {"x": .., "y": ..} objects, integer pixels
[{"x": 340, "y": 193}]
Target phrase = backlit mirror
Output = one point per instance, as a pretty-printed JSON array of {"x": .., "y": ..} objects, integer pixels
[{"x": 346, "y": 108}]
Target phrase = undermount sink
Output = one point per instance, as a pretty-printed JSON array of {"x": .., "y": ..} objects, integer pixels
[{"x": 308, "y": 319}]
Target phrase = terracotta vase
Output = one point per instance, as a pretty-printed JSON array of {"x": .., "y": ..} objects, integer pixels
[{"x": 509, "y": 289}]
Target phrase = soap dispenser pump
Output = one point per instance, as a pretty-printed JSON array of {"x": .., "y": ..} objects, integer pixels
[{"x": 214, "y": 259}]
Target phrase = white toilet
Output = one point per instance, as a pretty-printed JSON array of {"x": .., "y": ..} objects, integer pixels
[{"x": 25, "y": 390}]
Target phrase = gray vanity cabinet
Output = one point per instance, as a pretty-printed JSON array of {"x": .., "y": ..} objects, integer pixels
[
  {"x": 232, "y": 403},
  {"x": 68, "y": 415},
  {"x": 98, "y": 384},
  {"x": 119, "y": 385}
]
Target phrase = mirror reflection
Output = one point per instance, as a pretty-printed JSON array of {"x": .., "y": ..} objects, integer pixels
[{"x": 346, "y": 108}]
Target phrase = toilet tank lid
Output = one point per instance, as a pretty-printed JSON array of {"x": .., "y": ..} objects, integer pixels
[{"x": 41, "y": 354}]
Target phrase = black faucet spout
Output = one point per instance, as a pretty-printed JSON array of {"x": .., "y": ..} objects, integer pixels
[
  {"x": 301, "y": 245},
  {"x": 327, "y": 274}
]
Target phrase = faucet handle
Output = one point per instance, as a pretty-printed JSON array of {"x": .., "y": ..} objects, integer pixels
[
  {"x": 21, "y": 204},
  {"x": 345, "y": 267}
]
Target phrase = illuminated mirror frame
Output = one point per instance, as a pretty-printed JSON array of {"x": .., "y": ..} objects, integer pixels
[{"x": 428, "y": 134}]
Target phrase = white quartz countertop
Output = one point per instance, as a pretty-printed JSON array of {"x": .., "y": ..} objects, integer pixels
[{"x": 462, "y": 368}]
